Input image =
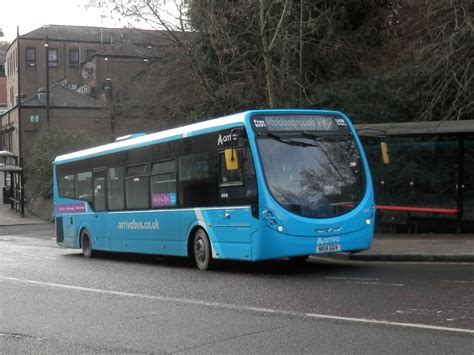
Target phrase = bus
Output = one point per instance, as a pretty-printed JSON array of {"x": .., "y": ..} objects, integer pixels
[{"x": 257, "y": 185}]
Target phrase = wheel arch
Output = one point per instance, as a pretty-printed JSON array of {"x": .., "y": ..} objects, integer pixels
[{"x": 190, "y": 236}]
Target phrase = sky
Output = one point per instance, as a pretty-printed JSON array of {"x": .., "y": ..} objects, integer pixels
[{"x": 32, "y": 14}]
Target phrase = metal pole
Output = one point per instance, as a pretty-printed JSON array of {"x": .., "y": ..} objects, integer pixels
[
  {"x": 460, "y": 197},
  {"x": 19, "y": 90},
  {"x": 46, "y": 51},
  {"x": 301, "y": 55},
  {"x": 22, "y": 194}
]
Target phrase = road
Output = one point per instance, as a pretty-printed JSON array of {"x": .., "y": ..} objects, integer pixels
[{"x": 53, "y": 300}]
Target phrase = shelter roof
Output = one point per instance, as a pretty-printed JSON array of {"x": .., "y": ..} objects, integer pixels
[
  {"x": 9, "y": 168},
  {"x": 6, "y": 153},
  {"x": 428, "y": 128}
]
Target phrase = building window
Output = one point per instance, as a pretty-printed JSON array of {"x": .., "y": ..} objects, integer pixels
[
  {"x": 34, "y": 118},
  {"x": 31, "y": 57},
  {"x": 74, "y": 58},
  {"x": 90, "y": 53},
  {"x": 52, "y": 57}
]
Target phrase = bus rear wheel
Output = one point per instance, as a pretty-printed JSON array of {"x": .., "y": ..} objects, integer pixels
[
  {"x": 202, "y": 250},
  {"x": 86, "y": 244}
]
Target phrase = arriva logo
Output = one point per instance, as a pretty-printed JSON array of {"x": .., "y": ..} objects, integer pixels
[
  {"x": 322, "y": 241},
  {"x": 227, "y": 138}
]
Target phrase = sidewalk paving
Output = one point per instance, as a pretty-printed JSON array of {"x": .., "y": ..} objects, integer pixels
[
  {"x": 9, "y": 217},
  {"x": 419, "y": 247},
  {"x": 385, "y": 247}
]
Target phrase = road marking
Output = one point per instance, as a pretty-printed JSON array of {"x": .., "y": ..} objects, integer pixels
[
  {"x": 235, "y": 307},
  {"x": 373, "y": 283},
  {"x": 363, "y": 281},
  {"x": 458, "y": 281},
  {"x": 353, "y": 278}
]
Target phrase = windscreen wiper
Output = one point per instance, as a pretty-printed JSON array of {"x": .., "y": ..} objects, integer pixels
[
  {"x": 288, "y": 141},
  {"x": 317, "y": 137}
]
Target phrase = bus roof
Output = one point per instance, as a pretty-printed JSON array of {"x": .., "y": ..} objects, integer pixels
[{"x": 144, "y": 140}]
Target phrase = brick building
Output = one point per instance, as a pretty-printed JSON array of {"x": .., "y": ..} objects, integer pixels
[
  {"x": 107, "y": 81},
  {"x": 84, "y": 67}
]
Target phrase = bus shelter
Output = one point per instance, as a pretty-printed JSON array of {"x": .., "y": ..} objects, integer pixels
[
  {"x": 12, "y": 191},
  {"x": 423, "y": 174}
]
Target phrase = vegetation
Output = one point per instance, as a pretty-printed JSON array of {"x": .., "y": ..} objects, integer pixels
[
  {"x": 377, "y": 60},
  {"x": 48, "y": 144},
  {"x": 3, "y": 49}
]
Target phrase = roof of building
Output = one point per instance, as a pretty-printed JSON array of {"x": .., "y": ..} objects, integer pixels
[
  {"x": 3, "y": 91},
  {"x": 61, "y": 96},
  {"x": 416, "y": 128},
  {"x": 130, "y": 50},
  {"x": 95, "y": 34}
]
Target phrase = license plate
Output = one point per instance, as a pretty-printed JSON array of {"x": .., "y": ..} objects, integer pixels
[{"x": 331, "y": 248}]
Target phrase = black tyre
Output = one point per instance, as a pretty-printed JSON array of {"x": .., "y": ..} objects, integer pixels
[
  {"x": 86, "y": 244},
  {"x": 202, "y": 250},
  {"x": 298, "y": 259}
]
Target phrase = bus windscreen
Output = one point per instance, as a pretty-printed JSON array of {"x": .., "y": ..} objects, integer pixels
[{"x": 312, "y": 169}]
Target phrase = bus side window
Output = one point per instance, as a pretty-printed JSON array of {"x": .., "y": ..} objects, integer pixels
[
  {"x": 230, "y": 174},
  {"x": 163, "y": 184},
  {"x": 84, "y": 186},
  {"x": 115, "y": 193},
  {"x": 137, "y": 187},
  {"x": 66, "y": 185},
  {"x": 195, "y": 178}
]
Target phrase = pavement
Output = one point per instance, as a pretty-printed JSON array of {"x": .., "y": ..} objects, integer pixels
[
  {"x": 9, "y": 217},
  {"x": 385, "y": 247},
  {"x": 419, "y": 247}
]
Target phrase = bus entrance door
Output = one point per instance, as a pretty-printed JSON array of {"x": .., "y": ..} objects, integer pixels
[
  {"x": 233, "y": 225},
  {"x": 100, "y": 221}
]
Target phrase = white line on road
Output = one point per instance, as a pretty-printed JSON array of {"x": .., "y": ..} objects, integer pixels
[
  {"x": 235, "y": 307},
  {"x": 373, "y": 283},
  {"x": 363, "y": 281},
  {"x": 352, "y": 278},
  {"x": 458, "y": 281}
]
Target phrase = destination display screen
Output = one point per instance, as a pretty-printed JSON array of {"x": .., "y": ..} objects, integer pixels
[{"x": 289, "y": 123}]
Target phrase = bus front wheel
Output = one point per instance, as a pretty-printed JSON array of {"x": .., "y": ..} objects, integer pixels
[
  {"x": 86, "y": 244},
  {"x": 202, "y": 250}
]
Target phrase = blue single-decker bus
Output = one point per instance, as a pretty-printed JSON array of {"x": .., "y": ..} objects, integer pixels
[{"x": 256, "y": 185}]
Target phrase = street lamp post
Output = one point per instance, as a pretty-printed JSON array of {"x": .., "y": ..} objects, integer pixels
[{"x": 46, "y": 51}]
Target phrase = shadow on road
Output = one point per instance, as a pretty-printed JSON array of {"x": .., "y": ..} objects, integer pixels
[{"x": 279, "y": 267}]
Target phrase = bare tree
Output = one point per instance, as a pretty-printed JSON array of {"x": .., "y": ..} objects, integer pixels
[{"x": 270, "y": 34}]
